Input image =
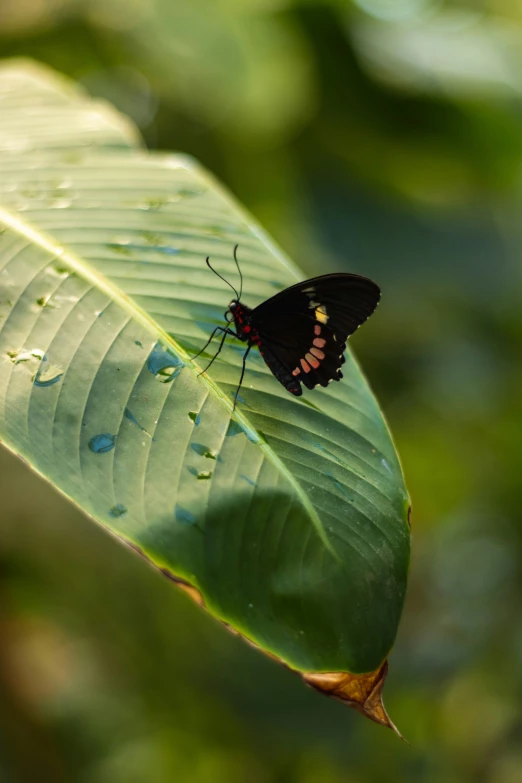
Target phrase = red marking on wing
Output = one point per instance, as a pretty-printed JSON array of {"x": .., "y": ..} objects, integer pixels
[
  {"x": 319, "y": 342},
  {"x": 316, "y": 352},
  {"x": 317, "y": 329},
  {"x": 306, "y": 367},
  {"x": 312, "y": 361}
]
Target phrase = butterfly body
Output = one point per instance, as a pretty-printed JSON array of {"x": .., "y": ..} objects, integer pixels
[
  {"x": 241, "y": 315},
  {"x": 301, "y": 332}
]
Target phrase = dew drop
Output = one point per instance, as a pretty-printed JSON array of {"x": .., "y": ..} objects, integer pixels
[
  {"x": 183, "y": 515},
  {"x": 44, "y": 301},
  {"x": 128, "y": 415},
  {"x": 153, "y": 204},
  {"x": 48, "y": 374},
  {"x": 195, "y": 417},
  {"x": 163, "y": 364},
  {"x": 204, "y": 451},
  {"x": 234, "y": 428},
  {"x": 26, "y": 355},
  {"x": 118, "y": 510},
  {"x": 120, "y": 246},
  {"x": 62, "y": 271},
  {"x": 101, "y": 444}
]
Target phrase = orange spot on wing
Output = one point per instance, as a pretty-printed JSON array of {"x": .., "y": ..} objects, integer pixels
[
  {"x": 312, "y": 361},
  {"x": 306, "y": 367},
  {"x": 317, "y": 329},
  {"x": 316, "y": 352},
  {"x": 319, "y": 342},
  {"x": 297, "y": 371}
]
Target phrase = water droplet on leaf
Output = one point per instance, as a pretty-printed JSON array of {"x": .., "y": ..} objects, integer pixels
[
  {"x": 204, "y": 451},
  {"x": 44, "y": 301},
  {"x": 120, "y": 246},
  {"x": 48, "y": 374},
  {"x": 163, "y": 364},
  {"x": 183, "y": 515},
  {"x": 26, "y": 355},
  {"x": 101, "y": 444},
  {"x": 128, "y": 415},
  {"x": 234, "y": 428}
]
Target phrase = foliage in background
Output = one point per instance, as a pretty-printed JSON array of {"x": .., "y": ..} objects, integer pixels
[{"x": 379, "y": 137}]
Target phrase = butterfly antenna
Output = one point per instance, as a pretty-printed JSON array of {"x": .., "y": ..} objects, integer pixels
[
  {"x": 239, "y": 270},
  {"x": 238, "y": 296}
]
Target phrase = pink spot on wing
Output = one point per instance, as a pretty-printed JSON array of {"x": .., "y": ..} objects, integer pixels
[
  {"x": 317, "y": 352},
  {"x": 297, "y": 371},
  {"x": 306, "y": 367},
  {"x": 319, "y": 342},
  {"x": 317, "y": 329},
  {"x": 312, "y": 361}
]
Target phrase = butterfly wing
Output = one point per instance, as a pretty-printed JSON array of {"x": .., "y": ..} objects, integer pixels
[{"x": 303, "y": 329}]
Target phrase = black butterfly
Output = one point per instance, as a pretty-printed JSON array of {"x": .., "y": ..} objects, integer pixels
[{"x": 301, "y": 332}]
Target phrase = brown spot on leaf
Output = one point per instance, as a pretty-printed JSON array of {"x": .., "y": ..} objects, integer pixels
[
  {"x": 363, "y": 692},
  {"x": 187, "y": 588}
]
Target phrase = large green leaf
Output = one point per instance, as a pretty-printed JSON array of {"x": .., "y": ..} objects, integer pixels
[{"x": 289, "y": 516}]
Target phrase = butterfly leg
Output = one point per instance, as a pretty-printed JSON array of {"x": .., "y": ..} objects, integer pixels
[
  {"x": 242, "y": 375},
  {"x": 217, "y": 329},
  {"x": 225, "y": 333}
]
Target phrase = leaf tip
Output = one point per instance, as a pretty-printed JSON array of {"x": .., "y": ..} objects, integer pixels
[{"x": 363, "y": 692}]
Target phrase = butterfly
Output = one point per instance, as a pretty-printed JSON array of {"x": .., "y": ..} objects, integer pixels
[{"x": 300, "y": 332}]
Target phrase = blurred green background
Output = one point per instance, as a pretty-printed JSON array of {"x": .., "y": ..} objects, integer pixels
[{"x": 377, "y": 136}]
